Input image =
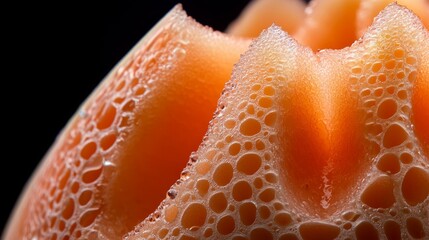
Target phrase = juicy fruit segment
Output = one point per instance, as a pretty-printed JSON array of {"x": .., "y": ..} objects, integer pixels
[
  {"x": 93, "y": 192},
  {"x": 101, "y": 177},
  {"x": 332, "y": 24},
  {"x": 242, "y": 185},
  {"x": 368, "y": 9},
  {"x": 323, "y": 24},
  {"x": 322, "y": 30},
  {"x": 321, "y": 129},
  {"x": 260, "y": 14}
]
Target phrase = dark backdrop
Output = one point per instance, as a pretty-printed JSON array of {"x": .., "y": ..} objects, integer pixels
[{"x": 56, "y": 57}]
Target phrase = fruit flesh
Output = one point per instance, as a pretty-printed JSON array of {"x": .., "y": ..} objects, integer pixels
[
  {"x": 257, "y": 198},
  {"x": 368, "y": 9},
  {"x": 351, "y": 19},
  {"x": 260, "y": 14},
  {"x": 420, "y": 106},
  {"x": 322, "y": 24},
  {"x": 325, "y": 24},
  {"x": 161, "y": 96},
  {"x": 321, "y": 127},
  {"x": 321, "y": 30},
  {"x": 310, "y": 118}
]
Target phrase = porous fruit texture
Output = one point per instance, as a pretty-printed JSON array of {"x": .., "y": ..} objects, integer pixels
[
  {"x": 368, "y": 9},
  {"x": 322, "y": 24},
  {"x": 312, "y": 145},
  {"x": 102, "y": 176}
]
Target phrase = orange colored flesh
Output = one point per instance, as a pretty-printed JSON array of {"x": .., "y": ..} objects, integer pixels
[
  {"x": 148, "y": 114},
  {"x": 370, "y": 8},
  {"x": 311, "y": 145},
  {"x": 260, "y": 14},
  {"x": 367, "y": 11},
  {"x": 420, "y": 104},
  {"x": 325, "y": 24},
  {"x": 316, "y": 27},
  {"x": 321, "y": 128},
  {"x": 171, "y": 124},
  {"x": 321, "y": 30},
  {"x": 133, "y": 136}
]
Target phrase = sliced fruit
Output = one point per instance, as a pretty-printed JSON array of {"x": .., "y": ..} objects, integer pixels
[
  {"x": 323, "y": 24},
  {"x": 311, "y": 145},
  {"x": 102, "y": 175},
  {"x": 260, "y": 14},
  {"x": 370, "y": 8},
  {"x": 329, "y": 24},
  {"x": 315, "y": 146}
]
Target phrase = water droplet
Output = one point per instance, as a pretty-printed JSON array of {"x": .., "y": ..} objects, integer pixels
[
  {"x": 83, "y": 113},
  {"x": 179, "y": 53},
  {"x": 183, "y": 41},
  {"x": 185, "y": 175},
  {"x": 120, "y": 71},
  {"x": 194, "y": 157},
  {"x": 172, "y": 193}
]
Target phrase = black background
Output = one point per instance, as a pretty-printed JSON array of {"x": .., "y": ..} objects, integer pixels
[{"x": 56, "y": 56}]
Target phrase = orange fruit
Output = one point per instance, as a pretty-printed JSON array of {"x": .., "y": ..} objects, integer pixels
[
  {"x": 368, "y": 9},
  {"x": 259, "y": 15},
  {"x": 135, "y": 123},
  {"x": 311, "y": 145}
]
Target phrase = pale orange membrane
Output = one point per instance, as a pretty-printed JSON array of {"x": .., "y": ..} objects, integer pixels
[
  {"x": 370, "y": 8},
  {"x": 102, "y": 175},
  {"x": 420, "y": 102},
  {"x": 310, "y": 145},
  {"x": 328, "y": 24},
  {"x": 260, "y": 14}
]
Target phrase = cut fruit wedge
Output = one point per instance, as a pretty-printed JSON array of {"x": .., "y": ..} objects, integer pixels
[
  {"x": 370, "y": 8},
  {"x": 329, "y": 24},
  {"x": 323, "y": 24},
  {"x": 303, "y": 145},
  {"x": 102, "y": 176},
  {"x": 311, "y": 146},
  {"x": 260, "y": 14}
]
